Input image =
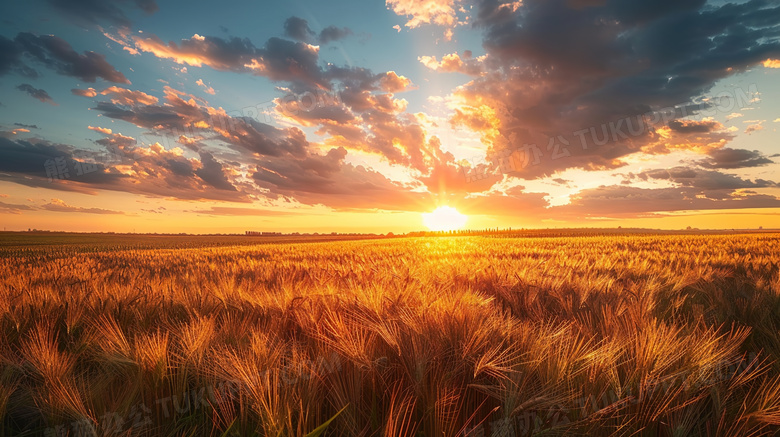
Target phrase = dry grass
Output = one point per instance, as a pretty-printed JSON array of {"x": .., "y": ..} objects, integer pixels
[{"x": 641, "y": 335}]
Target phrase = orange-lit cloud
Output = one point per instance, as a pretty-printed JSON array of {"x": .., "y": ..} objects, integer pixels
[
  {"x": 207, "y": 89},
  {"x": 89, "y": 92},
  {"x": 102, "y": 130},
  {"x": 391, "y": 82},
  {"x": 123, "y": 96},
  {"x": 453, "y": 63},
  {"x": 772, "y": 63}
]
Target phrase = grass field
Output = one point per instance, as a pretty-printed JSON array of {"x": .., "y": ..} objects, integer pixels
[{"x": 670, "y": 335}]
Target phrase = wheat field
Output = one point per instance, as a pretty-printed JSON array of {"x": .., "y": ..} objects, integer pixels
[{"x": 625, "y": 335}]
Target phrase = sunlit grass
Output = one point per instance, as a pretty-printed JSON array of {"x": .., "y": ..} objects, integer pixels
[{"x": 641, "y": 335}]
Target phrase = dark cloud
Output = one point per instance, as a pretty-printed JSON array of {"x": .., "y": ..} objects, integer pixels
[
  {"x": 155, "y": 171},
  {"x": 298, "y": 29},
  {"x": 36, "y": 93},
  {"x": 279, "y": 59},
  {"x": 212, "y": 173},
  {"x": 191, "y": 118},
  {"x": 333, "y": 33},
  {"x": 554, "y": 67},
  {"x": 95, "y": 12},
  {"x": 56, "y": 54},
  {"x": 10, "y": 55},
  {"x": 627, "y": 202},
  {"x": 704, "y": 179},
  {"x": 727, "y": 158},
  {"x": 264, "y": 139},
  {"x": 30, "y": 158},
  {"x": 26, "y": 126}
]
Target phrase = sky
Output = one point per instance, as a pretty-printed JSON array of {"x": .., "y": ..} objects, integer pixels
[{"x": 362, "y": 116}]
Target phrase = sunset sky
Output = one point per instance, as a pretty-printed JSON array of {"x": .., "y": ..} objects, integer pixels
[{"x": 182, "y": 116}]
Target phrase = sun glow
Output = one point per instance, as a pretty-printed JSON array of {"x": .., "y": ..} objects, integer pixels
[{"x": 444, "y": 218}]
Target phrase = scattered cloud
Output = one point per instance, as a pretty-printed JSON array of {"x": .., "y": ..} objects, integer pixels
[
  {"x": 233, "y": 211},
  {"x": 123, "y": 96},
  {"x": 102, "y": 130},
  {"x": 58, "y": 205},
  {"x": 453, "y": 63},
  {"x": 36, "y": 93},
  {"x": 89, "y": 92},
  {"x": 207, "y": 89},
  {"x": 727, "y": 158},
  {"x": 333, "y": 33},
  {"x": 56, "y": 54},
  {"x": 298, "y": 29},
  {"x": 26, "y": 126}
]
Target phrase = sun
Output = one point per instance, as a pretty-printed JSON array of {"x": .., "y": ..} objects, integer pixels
[{"x": 444, "y": 218}]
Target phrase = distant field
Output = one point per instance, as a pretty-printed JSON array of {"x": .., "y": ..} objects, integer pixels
[
  {"x": 671, "y": 335},
  {"x": 44, "y": 241}
]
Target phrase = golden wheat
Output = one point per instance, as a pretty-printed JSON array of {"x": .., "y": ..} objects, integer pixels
[{"x": 431, "y": 336}]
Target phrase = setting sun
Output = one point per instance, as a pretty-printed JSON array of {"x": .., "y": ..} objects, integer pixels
[{"x": 444, "y": 218}]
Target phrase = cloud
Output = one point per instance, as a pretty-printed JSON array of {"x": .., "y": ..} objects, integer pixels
[
  {"x": 36, "y": 93},
  {"x": 89, "y": 92},
  {"x": 441, "y": 12},
  {"x": 279, "y": 59},
  {"x": 213, "y": 173},
  {"x": 705, "y": 180},
  {"x": 298, "y": 29},
  {"x": 102, "y": 130},
  {"x": 188, "y": 117},
  {"x": 151, "y": 171},
  {"x": 753, "y": 128},
  {"x": 453, "y": 63},
  {"x": 29, "y": 158},
  {"x": 393, "y": 83},
  {"x": 333, "y": 33},
  {"x": 95, "y": 12},
  {"x": 123, "y": 96},
  {"x": 693, "y": 126},
  {"x": 360, "y": 111},
  {"x": 328, "y": 180},
  {"x": 727, "y": 158},
  {"x": 226, "y": 210},
  {"x": 26, "y": 126},
  {"x": 555, "y": 67},
  {"x": 55, "y": 54},
  {"x": 511, "y": 203},
  {"x": 13, "y": 208},
  {"x": 207, "y": 89},
  {"x": 58, "y": 205},
  {"x": 772, "y": 63},
  {"x": 619, "y": 201},
  {"x": 10, "y": 56}
]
